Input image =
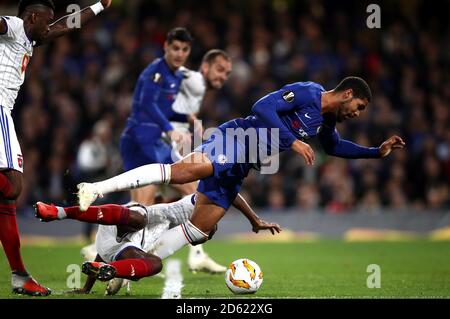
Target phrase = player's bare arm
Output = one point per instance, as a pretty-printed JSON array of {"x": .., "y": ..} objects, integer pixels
[
  {"x": 304, "y": 150},
  {"x": 61, "y": 27},
  {"x": 394, "y": 142},
  {"x": 90, "y": 281},
  {"x": 257, "y": 223},
  {"x": 3, "y": 26}
]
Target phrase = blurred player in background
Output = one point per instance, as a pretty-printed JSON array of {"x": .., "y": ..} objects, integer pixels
[
  {"x": 166, "y": 98},
  {"x": 125, "y": 251},
  {"x": 214, "y": 70},
  {"x": 297, "y": 111},
  {"x": 18, "y": 36}
]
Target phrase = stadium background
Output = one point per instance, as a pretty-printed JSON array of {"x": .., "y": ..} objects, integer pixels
[
  {"x": 88, "y": 79},
  {"x": 78, "y": 92}
]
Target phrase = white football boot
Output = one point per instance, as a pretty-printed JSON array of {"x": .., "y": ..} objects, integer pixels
[
  {"x": 199, "y": 261},
  {"x": 87, "y": 194},
  {"x": 114, "y": 285}
]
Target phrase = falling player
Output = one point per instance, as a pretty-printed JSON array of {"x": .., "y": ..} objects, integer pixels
[
  {"x": 18, "y": 37},
  {"x": 125, "y": 250},
  {"x": 283, "y": 119},
  {"x": 166, "y": 99}
]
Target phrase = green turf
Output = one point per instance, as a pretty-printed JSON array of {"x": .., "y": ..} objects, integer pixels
[{"x": 325, "y": 269}]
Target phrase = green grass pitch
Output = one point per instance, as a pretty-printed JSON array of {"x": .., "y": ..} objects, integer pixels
[{"x": 323, "y": 269}]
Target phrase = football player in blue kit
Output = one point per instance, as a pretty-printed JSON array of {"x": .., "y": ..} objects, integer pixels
[
  {"x": 157, "y": 87},
  {"x": 292, "y": 114},
  {"x": 154, "y": 116}
]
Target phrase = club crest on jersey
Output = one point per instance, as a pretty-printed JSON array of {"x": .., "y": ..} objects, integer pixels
[
  {"x": 289, "y": 96},
  {"x": 157, "y": 77},
  {"x": 20, "y": 160}
]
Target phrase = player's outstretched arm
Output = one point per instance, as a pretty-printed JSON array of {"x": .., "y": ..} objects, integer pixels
[
  {"x": 62, "y": 26},
  {"x": 90, "y": 281},
  {"x": 256, "y": 222}
]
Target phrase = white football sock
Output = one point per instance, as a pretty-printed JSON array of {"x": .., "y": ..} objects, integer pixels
[
  {"x": 170, "y": 241},
  {"x": 135, "y": 178},
  {"x": 61, "y": 212}
]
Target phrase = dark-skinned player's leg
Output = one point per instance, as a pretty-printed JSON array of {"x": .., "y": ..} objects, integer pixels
[
  {"x": 196, "y": 231},
  {"x": 10, "y": 189},
  {"x": 132, "y": 263},
  {"x": 109, "y": 214},
  {"x": 127, "y": 220}
]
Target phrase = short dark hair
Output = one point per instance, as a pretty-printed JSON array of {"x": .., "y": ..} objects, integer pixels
[
  {"x": 211, "y": 55},
  {"x": 359, "y": 87},
  {"x": 23, "y": 4},
  {"x": 180, "y": 34}
]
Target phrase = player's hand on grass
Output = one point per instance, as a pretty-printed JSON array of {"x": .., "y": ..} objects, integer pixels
[
  {"x": 305, "y": 151},
  {"x": 79, "y": 291},
  {"x": 263, "y": 225},
  {"x": 106, "y": 3},
  {"x": 390, "y": 144}
]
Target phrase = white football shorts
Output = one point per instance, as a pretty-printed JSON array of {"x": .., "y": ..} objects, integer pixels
[{"x": 10, "y": 152}]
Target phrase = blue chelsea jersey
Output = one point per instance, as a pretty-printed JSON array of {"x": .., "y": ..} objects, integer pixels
[
  {"x": 155, "y": 92},
  {"x": 295, "y": 110}
]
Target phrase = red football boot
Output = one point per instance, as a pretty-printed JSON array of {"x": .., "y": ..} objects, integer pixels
[
  {"x": 32, "y": 288},
  {"x": 46, "y": 213},
  {"x": 101, "y": 271}
]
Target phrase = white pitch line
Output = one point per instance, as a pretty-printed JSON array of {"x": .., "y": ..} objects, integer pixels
[{"x": 174, "y": 280}]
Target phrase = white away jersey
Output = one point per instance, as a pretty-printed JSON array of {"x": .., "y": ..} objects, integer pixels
[{"x": 15, "y": 53}]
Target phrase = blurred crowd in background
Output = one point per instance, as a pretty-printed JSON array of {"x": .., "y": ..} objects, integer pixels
[{"x": 78, "y": 91}]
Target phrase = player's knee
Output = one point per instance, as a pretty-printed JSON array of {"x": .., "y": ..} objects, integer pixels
[{"x": 194, "y": 234}]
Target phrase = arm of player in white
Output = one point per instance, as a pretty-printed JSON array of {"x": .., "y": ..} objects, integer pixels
[
  {"x": 3, "y": 26},
  {"x": 65, "y": 24},
  {"x": 190, "y": 96}
]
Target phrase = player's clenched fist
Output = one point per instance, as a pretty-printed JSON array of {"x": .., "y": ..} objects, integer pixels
[{"x": 305, "y": 151}]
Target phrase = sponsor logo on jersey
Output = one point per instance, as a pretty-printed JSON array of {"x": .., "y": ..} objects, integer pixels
[
  {"x": 289, "y": 96},
  {"x": 296, "y": 124},
  {"x": 99, "y": 214}
]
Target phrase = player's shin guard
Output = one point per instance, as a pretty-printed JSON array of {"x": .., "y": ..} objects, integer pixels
[
  {"x": 135, "y": 269},
  {"x": 103, "y": 214},
  {"x": 135, "y": 178},
  {"x": 9, "y": 236},
  {"x": 177, "y": 237}
]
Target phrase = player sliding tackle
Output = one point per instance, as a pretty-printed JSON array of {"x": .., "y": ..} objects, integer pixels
[
  {"x": 18, "y": 37},
  {"x": 125, "y": 251},
  {"x": 296, "y": 112}
]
